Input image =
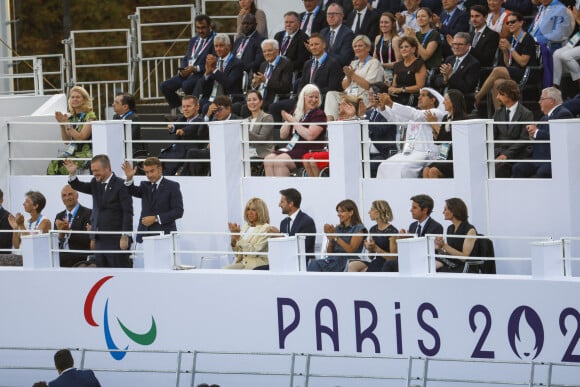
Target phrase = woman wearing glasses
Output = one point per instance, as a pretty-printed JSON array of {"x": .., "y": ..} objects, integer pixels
[{"x": 516, "y": 53}]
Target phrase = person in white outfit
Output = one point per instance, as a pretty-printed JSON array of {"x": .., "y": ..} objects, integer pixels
[{"x": 417, "y": 142}]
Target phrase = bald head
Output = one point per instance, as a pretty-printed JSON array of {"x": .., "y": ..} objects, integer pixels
[{"x": 69, "y": 196}]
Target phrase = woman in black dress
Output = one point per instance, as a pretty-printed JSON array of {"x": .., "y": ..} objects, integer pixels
[
  {"x": 442, "y": 134},
  {"x": 377, "y": 245},
  {"x": 410, "y": 73},
  {"x": 455, "y": 211}
]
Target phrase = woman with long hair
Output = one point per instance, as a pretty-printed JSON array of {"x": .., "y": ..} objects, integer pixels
[
  {"x": 376, "y": 244},
  {"x": 387, "y": 45},
  {"x": 299, "y": 128},
  {"x": 75, "y": 126},
  {"x": 348, "y": 239},
  {"x": 456, "y": 110}
]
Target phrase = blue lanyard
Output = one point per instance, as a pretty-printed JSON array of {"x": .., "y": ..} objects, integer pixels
[
  {"x": 426, "y": 37},
  {"x": 35, "y": 224}
]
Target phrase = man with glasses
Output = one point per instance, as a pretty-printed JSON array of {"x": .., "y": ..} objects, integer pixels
[
  {"x": 338, "y": 37},
  {"x": 551, "y": 106}
]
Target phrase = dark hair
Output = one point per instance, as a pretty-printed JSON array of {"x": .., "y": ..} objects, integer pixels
[
  {"x": 479, "y": 9},
  {"x": 152, "y": 161},
  {"x": 379, "y": 87},
  {"x": 292, "y": 195},
  {"x": 426, "y": 9},
  {"x": 255, "y": 91},
  {"x": 223, "y": 100},
  {"x": 458, "y": 208},
  {"x": 203, "y": 18},
  {"x": 510, "y": 89},
  {"x": 458, "y": 101},
  {"x": 1, "y": 195},
  {"x": 517, "y": 15},
  {"x": 127, "y": 99},
  {"x": 40, "y": 384},
  {"x": 349, "y": 205},
  {"x": 424, "y": 201},
  {"x": 411, "y": 41},
  {"x": 430, "y": 95},
  {"x": 63, "y": 359},
  {"x": 193, "y": 97},
  {"x": 37, "y": 199},
  {"x": 319, "y": 36},
  {"x": 103, "y": 159}
]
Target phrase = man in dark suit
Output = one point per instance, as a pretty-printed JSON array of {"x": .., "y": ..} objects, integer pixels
[
  {"x": 219, "y": 110},
  {"x": 461, "y": 70},
  {"x": 124, "y": 108},
  {"x": 421, "y": 209},
  {"x": 247, "y": 48},
  {"x": 379, "y": 130},
  {"x": 484, "y": 42},
  {"x": 345, "y": 4},
  {"x": 192, "y": 65},
  {"x": 223, "y": 74},
  {"x": 338, "y": 37},
  {"x": 5, "y": 237},
  {"x": 508, "y": 93},
  {"x": 363, "y": 20},
  {"x": 75, "y": 218},
  {"x": 161, "y": 199},
  {"x": 313, "y": 19},
  {"x": 551, "y": 106},
  {"x": 322, "y": 70},
  {"x": 193, "y": 129},
  {"x": 292, "y": 42},
  {"x": 112, "y": 210},
  {"x": 451, "y": 21},
  {"x": 275, "y": 73},
  {"x": 68, "y": 376},
  {"x": 392, "y": 6}
]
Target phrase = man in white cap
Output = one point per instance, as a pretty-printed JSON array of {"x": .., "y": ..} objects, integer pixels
[{"x": 417, "y": 142}]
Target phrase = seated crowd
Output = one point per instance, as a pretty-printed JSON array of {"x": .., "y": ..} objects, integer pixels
[{"x": 400, "y": 63}]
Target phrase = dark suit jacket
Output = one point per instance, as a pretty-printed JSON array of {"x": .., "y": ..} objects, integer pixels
[
  {"x": 280, "y": 81},
  {"x": 166, "y": 203},
  {"x": 5, "y": 237},
  {"x": 342, "y": 48},
  {"x": 200, "y": 60},
  {"x": 76, "y": 241},
  {"x": 345, "y": 4},
  {"x": 112, "y": 210},
  {"x": 385, "y": 132},
  {"x": 135, "y": 128},
  {"x": 328, "y": 77},
  {"x": 369, "y": 26},
  {"x": 230, "y": 79},
  {"x": 302, "y": 224},
  {"x": 296, "y": 50},
  {"x": 318, "y": 23},
  {"x": 465, "y": 78},
  {"x": 392, "y": 6},
  {"x": 542, "y": 151},
  {"x": 431, "y": 227},
  {"x": 75, "y": 378},
  {"x": 252, "y": 55},
  {"x": 486, "y": 47},
  {"x": 512, "y": 131},
  {"x": 434, "y": 5},
  {"x": 458, "y": 22}
]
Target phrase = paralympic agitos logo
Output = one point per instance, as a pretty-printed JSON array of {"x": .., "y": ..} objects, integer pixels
[{"x": 140, "y": 338}]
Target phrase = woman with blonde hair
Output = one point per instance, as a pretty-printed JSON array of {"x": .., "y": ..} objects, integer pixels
[
  {"x": 75, "y": 126},
  {"x": 250, "y": 242},
  {"x": 377, "y": 245}
]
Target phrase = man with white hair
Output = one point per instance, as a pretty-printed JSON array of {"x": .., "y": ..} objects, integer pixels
[
  {"x": 417, "y": 140},
  {"x": 275, "y": 73}
]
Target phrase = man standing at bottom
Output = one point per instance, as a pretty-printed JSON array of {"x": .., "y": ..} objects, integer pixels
[
  {"x": 421, "y": 208},
  {"x": 74, "y": 218},
  {"x": 161, "y": 199},
  {"x": 68, "y": 376},
  {"x": 112, "y": 210}
]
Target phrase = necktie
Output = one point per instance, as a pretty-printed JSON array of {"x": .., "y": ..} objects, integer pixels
[
  {"x": 476, "y": 38},
  {"x": 153, "y": 188},
  {"x": 103, "y": 188},
  {"x": 242, "y": 47},
  {"x": 285, "y": 43},
  {"x": 456, "y": 64},
  {"x": 221, "y": 64},
  {"x": 314, "y": 69},
  {"x": 304, "y": 27},
  {"x": 419, "y": 230},
  {"x": 358, "y": 20},
  {"x": 507, "y": 114},
  {"x": 447, "y": 19},
  {"x": 69, "y": 218},
  {"x": 198, "y": 48},
  {"x": 332, "y": 33},
  {"x": 289, "y": 225}
]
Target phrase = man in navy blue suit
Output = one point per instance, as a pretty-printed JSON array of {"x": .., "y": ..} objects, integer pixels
[
  {"x": 451, "y": 21},
  {"x": 192, "y": 65},
  {"x": 223, "y": 74},
  {"x": 551, "y": 106},
  {"x": 338, "y": 37},
  {"x": 161, "y": 199},
  {"x": 421, "y": 209},
  {"x": 112, "y": 210},
  {"x": 247, "y": 47},
  {"x": 68, "y": 376}
]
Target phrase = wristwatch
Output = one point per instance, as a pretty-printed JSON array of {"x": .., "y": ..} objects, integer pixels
[{"x": 404, "y": 89}]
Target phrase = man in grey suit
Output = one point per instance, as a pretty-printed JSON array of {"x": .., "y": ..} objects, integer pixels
[{"x": 508, "y": 93}]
